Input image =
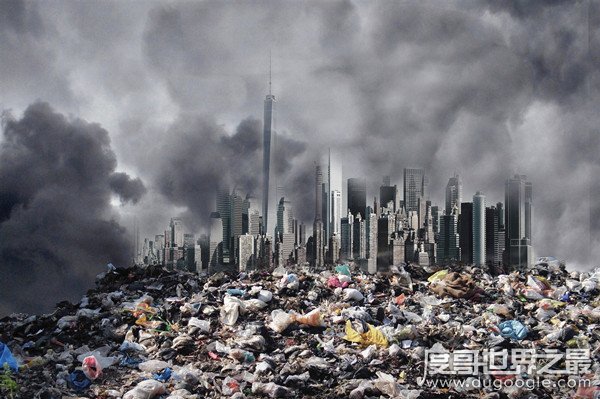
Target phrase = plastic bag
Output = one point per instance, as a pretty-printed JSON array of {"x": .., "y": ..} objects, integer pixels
[
  {"x": 343, "y": 269},
  {"x": 146, "y": 389},
  {"x": 312, "y": 318},
  {"x": 7, "y": 358},
  {"x": 352, "y": 294},
  {"x": 153, "y": 366},
  {"x": 513, "y": 329},
  {"x": 254, "y": 305},
  {"x": 289, "y": 281},
  {"x": 230, "y": 386},
  {"x": 437, "y": 276},
  {"x": 78, "y": 380},
  {"x": 163, "y": 376},
  {"x": 91, "y": 367},
  {"x": 280, "y": 320},
  {"x": 203, "y": 325},
  {"x": 334, "y": 282},
  {"x": 231, "y": 309},
  {"x": 265, "y": 296},
  {"x": 371, "y": 337}
]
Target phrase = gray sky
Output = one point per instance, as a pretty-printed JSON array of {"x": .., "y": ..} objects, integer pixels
[{"x": 159, "y": 100}]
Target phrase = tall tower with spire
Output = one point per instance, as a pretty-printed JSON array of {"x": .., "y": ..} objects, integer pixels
[{"x": 268, "y": 204}]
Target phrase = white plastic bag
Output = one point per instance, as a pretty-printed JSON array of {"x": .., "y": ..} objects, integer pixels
[
  {"x": 280, "y": 320},
  {"x": 352, "y": 294}
]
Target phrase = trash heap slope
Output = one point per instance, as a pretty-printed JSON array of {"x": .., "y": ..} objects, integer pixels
[{"x": 293, "y": 332}]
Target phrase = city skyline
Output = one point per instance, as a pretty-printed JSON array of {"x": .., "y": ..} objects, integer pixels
[{"x": 118, "y": 116}]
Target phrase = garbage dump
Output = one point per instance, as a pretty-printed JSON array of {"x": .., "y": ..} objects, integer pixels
[{"x": 409, "y": 333}]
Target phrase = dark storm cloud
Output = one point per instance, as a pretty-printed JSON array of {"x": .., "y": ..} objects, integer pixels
[
  {"x": 202, "y": 156},
  {"x": 128, "y": 189},
  {"x": 57, "y": 230}
]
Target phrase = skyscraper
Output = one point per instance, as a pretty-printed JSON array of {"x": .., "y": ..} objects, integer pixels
[
  {"x": 465, "y": 230},
  {"x": 518, "y": 219},
  {"x": 215, "y": 241},
  {"x": 285, "y": 218},
  {"x": 388, "y": 194},
  {"x": 346, "y": 244},
  {"x": 448, "y": 249},
  {"x": 414, "y": 188},
  {"x": 479, "y": 256},
  {"x": 236, "y": 205},
  {"x": 491, "y": 236},
  {"x": 319, "y": 259},
  {"x": 246, "y": 245},
  {"x": 318, "y": 193},
  {"x": 285, "y": 236},
  {"x": 223, "y": 209},
  {"x": 269, "y": 182},
  {"x": 357, "y": 196},
  {"x": 336, "y": 212},
  {"x": 453, "y": 194},
  {"x": 176, "y": 232}
]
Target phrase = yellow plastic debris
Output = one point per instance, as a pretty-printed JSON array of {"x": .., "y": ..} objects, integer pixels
[
  {"x": 438, "y": 276},
  {"x": 371, "y": 337}
]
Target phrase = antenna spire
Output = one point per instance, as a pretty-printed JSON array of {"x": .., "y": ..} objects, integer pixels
[{"x": 270, "y": 68}]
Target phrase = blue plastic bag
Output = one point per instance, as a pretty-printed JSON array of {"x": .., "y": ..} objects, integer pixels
[
  {"x": 164, "y": 376},
  {"x": 236, "y": 292},
  {"x": 79, "y": 381},
  {"x": 513, "y": 329},
  {"x": 7, "y": 358}
]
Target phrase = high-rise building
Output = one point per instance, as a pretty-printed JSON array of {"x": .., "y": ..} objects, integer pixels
[
  {"x": 517, "y": 220},
  {"x": 318, "y": 193},
  {"x": 318, "y": 251},
  {"x": 492, "y": 233},
  {"x": 269, "y": 180},
  {"x": 254, "y": 222},
  {"x": 333, "y": 253},
  {"x": 465, "y": 230},
  {"x": 176, "y": 232},
  {"x": 245, "y": 252},
  {"x": 189, "y": 240},
  {"x": 414, "y": 188},
  {"x": 215, "y": 241},
  {"x": 357, "y": 196},
  {"x": 448, "y": 249},
  {"x": 479, "y": 256},
  {"x": 246, "y": 215},
  {"x": 336, "y": 212},
  {"x": 386, "y": 227},
  {"x": 435, "y": 220},
  {"x": 453, "y": 194},
  {"x": 285, "y": 218},
  {"x": 346, "y": 244},
  {"x": 223, "y": 209},
  {"x": 236, "y": 206},
  {"x": 204, "y": 242},
  {"x": 371, "y": 233},
  {"x": 501, "y": 239},
  {"x": 388, "y": 194},
  {"x": 359, "y": 249},
  {"x": 318, "y": 232}
]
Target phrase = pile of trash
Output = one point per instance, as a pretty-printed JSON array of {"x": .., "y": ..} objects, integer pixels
[{"x": 295, "y": 332}]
